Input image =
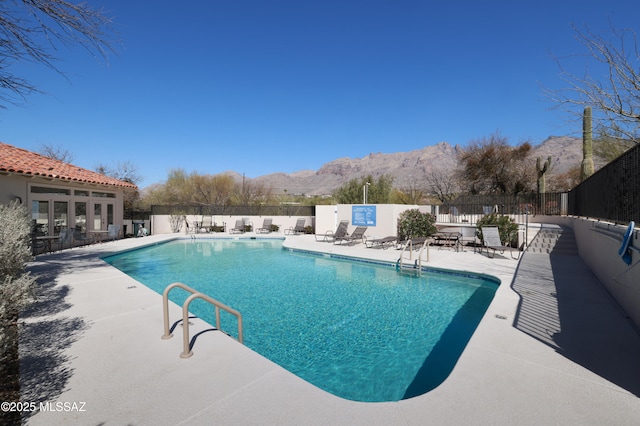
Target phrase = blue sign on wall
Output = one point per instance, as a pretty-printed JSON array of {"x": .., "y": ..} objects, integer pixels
[{"x": 363, "y": 215}]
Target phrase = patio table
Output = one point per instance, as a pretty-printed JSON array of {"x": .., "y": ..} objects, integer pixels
[
  {"x": 98, "y": 233},
  {"x": 47, "y": 239},
  {"x": 448, "y": 238}
]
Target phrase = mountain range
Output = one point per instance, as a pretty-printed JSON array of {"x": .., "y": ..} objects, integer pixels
[{"x": 407, "y": 168}]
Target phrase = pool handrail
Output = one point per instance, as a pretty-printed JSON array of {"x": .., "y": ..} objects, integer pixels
[
  {"x": 185, "y": 315},
  {"x": 418, "y": 262}
]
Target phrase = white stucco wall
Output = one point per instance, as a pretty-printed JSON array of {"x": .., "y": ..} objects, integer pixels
[
  {"x": 598, "y": 245},
  {"x": 328, "y": 217},
  {"x": 12, "y": 186},
  {"x": 160, "y": 224}
]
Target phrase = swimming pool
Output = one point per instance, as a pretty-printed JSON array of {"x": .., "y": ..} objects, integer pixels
[{"x": 361, "y": 331}]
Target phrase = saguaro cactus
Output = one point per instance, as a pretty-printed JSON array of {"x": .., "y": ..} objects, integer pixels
[
  {"x": 587, "y": 145},
  {"x": 542, "y": 170}
]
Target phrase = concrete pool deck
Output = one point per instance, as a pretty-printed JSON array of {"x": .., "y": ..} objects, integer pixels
[{"x": 551, "y": 349}]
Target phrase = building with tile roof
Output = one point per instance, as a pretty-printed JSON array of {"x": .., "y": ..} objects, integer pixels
[{"x": 60, "y": 195}]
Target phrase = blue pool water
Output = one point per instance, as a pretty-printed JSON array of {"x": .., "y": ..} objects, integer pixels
[{"x": 361, "y": 331}]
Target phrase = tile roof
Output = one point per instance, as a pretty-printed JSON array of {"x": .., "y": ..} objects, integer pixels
[{"x": 21, "y": 161}]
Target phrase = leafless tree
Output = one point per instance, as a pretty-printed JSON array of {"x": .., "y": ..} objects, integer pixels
[
  {"x": 56, "y": 152},
  {"x": 123, "y": 170},
  {"x": 32, "y": 30},
  {"x": 128, "y": 172},
  {"x": 610, "y": 83},
  {"x": 443, "y": 185}
]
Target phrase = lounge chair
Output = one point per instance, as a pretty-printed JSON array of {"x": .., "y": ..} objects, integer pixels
[
  {"x": 416, "y": 242},
  {"x": 341, "y": 231},
  {"x": 298, "y": 229},
  {"x": 491, "y": 241},
  {"x": 113, "y": 231},
  {"x": 266, "y": 226},
  {"x": 238, "y": 227},
  {"x": 380, "y": 242},
  {"x": 206, "y": 224},
  {"x": 469, "y": 237},
  {"x": 358, "y": 234}
]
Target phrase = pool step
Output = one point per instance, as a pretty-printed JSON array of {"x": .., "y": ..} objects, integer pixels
[{"x": 554, "y": 241}]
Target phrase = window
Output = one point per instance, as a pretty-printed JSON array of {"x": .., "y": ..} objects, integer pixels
[
  {"x": 81, "y": 216},
  {"x": 47, "y": 190},
  {"x": 40, "y": 216},
  {"x": 60, "y": 216},
  {"x": 103, "y": 194}
]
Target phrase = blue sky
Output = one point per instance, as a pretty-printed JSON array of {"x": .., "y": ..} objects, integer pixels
[{"x": 280, "y": 86}]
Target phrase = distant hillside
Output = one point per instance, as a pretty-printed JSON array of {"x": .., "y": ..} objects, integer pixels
[{"x": 407, "y": 168}]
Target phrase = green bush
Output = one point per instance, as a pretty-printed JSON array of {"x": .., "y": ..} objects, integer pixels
[
  {"x": 415, "y": 224},
  {"x": 507, "y": 228}
]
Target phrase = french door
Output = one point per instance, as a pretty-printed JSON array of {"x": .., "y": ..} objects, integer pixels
[
  {"x": 102, "y": 215},
  {"x": 49, "y": 216}
]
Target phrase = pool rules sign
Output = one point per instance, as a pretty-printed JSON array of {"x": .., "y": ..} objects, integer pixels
[{"x": 363, "y": 215}]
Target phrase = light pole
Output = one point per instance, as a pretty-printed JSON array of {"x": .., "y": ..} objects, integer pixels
[{"x": 364, "y": 192}]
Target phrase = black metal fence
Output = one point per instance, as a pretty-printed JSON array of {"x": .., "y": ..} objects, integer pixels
[
  {"x": 137, "y": 214},
  {"x": 283, "y": 210},
  {"x": 612, "y": 193},
  {"x": 470, "y": 208}
]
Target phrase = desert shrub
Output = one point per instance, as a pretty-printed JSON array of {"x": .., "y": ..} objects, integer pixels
[
  {"x": 414, "y": 224},
  {"x": 15, "y": 283},
  {"x": 176, "y": 221},
  {"x": 16, "y": 291},
  {"x": 507, "y": 228}
]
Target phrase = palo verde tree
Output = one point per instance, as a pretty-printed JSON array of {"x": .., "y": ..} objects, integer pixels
[
  {"x": 609, "y": 83},
  {"x": 185, "y": 189},
  {"x": 492, "y": 166},
  {"x": 378, "y": 190},
  {"x": 32, "y": 31}
]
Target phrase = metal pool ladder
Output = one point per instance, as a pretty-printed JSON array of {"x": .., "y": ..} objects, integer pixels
[
  {"x": 417, "y": 264},
  {"x": 186, "y": 352}
]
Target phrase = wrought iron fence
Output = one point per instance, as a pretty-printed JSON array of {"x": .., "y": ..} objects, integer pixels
[
  {"x": 137, "y": 214},
  {"x": 470, "y": 208},
  {"x": 282, "y": 210},
  {"x": 612, "y": 193}
]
